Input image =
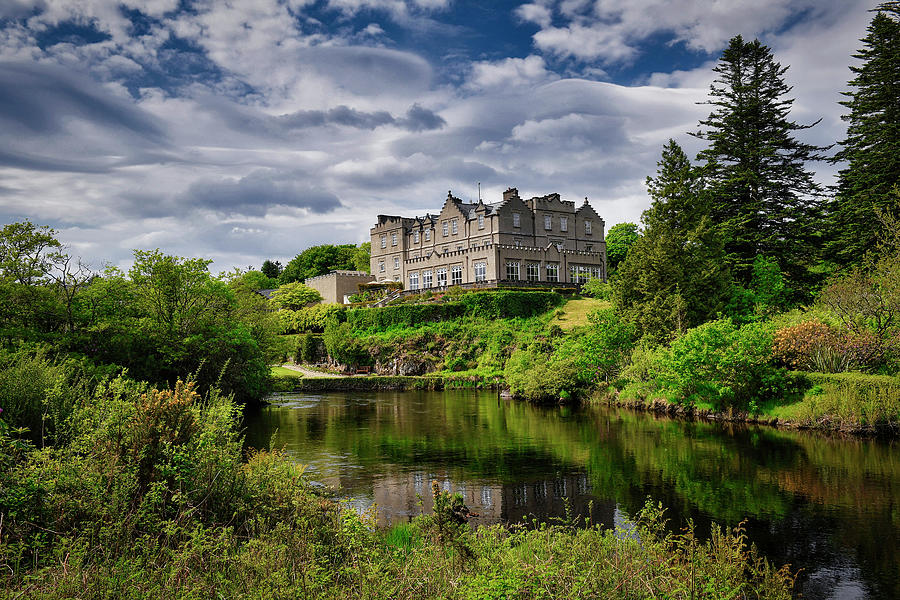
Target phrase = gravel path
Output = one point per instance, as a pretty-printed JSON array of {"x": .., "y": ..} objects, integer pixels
[{"x": 309, "y": 372}]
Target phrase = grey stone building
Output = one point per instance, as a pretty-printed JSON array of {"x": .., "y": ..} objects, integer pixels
[{"x": 541, "y": 241}]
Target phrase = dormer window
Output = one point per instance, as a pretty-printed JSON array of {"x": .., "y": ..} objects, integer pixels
[
  {"x": 548, "y": 222},
  {"x": 446, "y": 228},
  {"x": 416, "y": 237},
  {"x": 384, "y": 241},
  {"x": 563, "y": 224},
  {"x": 480, "y": 221},
  {"x": 427, "y": 235},
  {"x": 454, "y": 225},
  {"x": 517, "y": 220},
  {"x": 587, "y": 227}
]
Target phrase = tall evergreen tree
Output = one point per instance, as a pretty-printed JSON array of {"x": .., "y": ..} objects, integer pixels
[
  {"x": 764, "y": 199},
  {"x": 674, "y": 277},
  {"x": 872, "y": 147}
]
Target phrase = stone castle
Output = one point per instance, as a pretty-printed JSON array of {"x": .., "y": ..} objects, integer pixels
[{"x": 543, "y": 241}]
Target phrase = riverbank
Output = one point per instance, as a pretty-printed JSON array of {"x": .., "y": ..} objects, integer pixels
[
  {"x": 852, "y": 403},
  {"x": 356, "y": 383},
  {"x": 151, "y": 493}
]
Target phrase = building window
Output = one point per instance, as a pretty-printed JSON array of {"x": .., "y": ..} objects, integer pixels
[
  {"x": 426, "y": 279},
  {"x": 517, "y": 220},
  {"x": 384, "y": 241},
  {"x": 518, "y": 243},
  {"x": 512, "y": 271},
  {"x": 456, "y": 275},
  {"x": 446, "y": 228},
  {"x": 480, "y": 221},
  {"x": 427, "y": 235},
  {"x": 589, "y": 247},
  {"x": 396, "y": 278},
  {"x": 459, "y": 246},
  {"x": 563, "y": 224},
  {"x": 396, "y": 263},
  {"x": 552, "y": 272},
  {"x": 442, "y": 277},
  {"x": 381, "y": 267},
  {"x": 415, "y": 255},
  {"x": 413, "y": 281},
  {"x": 548, "y": 222},
  {"x": 454, "y": 225},
  {"x": 573, "y": 274},
  {"x": 446, "y": 249},
  {"x": 587, "y": 228},
  {"x": 480, "y": 271},
  {"x": 416, "y": 237},
  {"x": 393, "y": 239},
  {"x": 533, "y": 271}
]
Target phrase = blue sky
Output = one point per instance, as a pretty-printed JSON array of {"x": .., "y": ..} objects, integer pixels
[{"x": 252, "y": 129}]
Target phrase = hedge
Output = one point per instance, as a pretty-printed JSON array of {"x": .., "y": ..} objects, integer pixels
[
  {"x": 499, "y": 304},
  {"x": 403, "y": 314},
  {"x": 505, "y": 304}
]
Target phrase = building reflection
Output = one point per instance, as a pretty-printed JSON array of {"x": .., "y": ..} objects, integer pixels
[{"x": 401, "y": 496}]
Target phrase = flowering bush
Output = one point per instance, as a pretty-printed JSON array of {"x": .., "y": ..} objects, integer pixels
[{"x": 814, "y": 346}]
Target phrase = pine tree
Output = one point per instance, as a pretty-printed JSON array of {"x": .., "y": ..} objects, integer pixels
[
  {"x": 764, "y": 199},
  {"x": 872, "y": 147},
  {"x": 674, "y": 277}
]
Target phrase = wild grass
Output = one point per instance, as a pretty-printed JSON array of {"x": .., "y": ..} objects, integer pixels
[{"x": 153, "y": 497}]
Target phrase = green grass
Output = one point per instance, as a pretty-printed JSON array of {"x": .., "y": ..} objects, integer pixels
[
  {"x": 844, "y": 401},
  {"x": 284, "y": 372},
  {"x": 575, "y": 312}
]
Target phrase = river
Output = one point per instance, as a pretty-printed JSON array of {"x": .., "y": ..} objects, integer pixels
[{"x": 828, "y": 506}]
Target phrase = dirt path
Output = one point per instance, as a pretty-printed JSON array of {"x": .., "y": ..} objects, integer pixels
[{"x": 309, "y": 372}]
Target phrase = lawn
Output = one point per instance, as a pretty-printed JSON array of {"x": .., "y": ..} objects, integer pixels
[
  {"x": 284, "y": 372},
  {"x": 575, "y": 312}
]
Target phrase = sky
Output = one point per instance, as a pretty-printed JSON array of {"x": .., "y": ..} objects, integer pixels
[{"x": 246, "y": 130}]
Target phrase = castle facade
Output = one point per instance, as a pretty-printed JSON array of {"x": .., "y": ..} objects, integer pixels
[{"x": 543, "y": 241}]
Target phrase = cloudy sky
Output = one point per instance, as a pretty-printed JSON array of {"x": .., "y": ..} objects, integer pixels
[{"x": 249, "y": 129}]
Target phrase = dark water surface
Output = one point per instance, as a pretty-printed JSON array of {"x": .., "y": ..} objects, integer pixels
[{"x": 828, "y": 506}]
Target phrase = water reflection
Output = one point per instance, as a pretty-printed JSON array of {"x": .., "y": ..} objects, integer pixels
[{"x": 822, "y": 504}]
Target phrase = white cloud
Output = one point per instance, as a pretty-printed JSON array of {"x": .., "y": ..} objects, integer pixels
[
  {"x": 509, "y": 72},
  {"x": 535, "y": 13}
]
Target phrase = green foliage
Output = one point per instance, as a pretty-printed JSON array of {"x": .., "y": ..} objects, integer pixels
[
  {"x": 720, "y": 364},
  {"x": 531, "y": 375},
  {"x": 403, "y": 314},
  {"x": 596, "y": 288},
  {"x": 868, "y": 183},
  {"x": 312, "y": 318},
  {"x": 294, "y": 296},
  {"x": 763, "y": 196},
  {"x": 319, "y": 260},
  {"x": 309, "y": 349},
  {"x": 619, "y": 240},
  {"x": 602, "y": 349},
  {"x": 25, "y": 252},
  {"x": 254, "y": 280},
  {"x": 342, "y": 347},
  {"x": 505, "y": 304},
  {"x": 850, "y": 401},
  {"x": 674, "y": 276},
  {"x": 271, "y": 269},
  {"x": 814, "y": 346}
]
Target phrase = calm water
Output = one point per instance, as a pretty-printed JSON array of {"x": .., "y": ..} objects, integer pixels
[{"x": 830, "y": 507}]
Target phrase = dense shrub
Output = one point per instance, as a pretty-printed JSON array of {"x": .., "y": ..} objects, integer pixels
[
  {"x": 504, "y": 304},
  {"x": 342, "y": 347},
  {"x": 311, "y": 319},
  {"x": 403, "y": 314},
  {"x": 596, "y": 288},
  {"x": 814, "y": 346},
  {"x": 530, "y": 375},
  {"x": 601, "y": 349},
  {"x": 723, "y": 365}
]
